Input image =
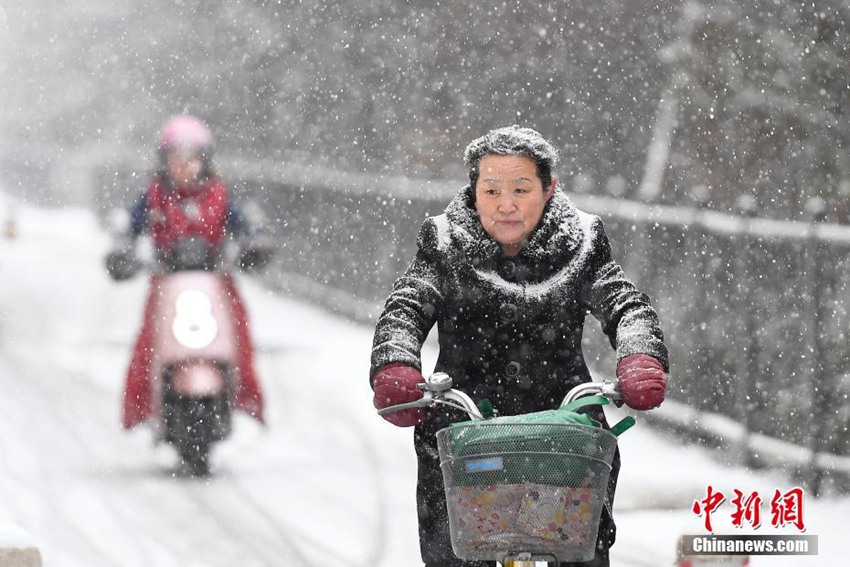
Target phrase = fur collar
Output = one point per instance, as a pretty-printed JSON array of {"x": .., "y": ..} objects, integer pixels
[{"x": 552, "y": 243}]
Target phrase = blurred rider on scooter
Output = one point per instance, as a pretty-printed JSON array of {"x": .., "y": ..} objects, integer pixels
[
  {"x": 508, "y": 274},
  {"x": 186, "y": 199}
]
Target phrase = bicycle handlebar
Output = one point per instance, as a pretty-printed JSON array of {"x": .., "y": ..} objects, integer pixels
[{"x": 438, "y": 391}]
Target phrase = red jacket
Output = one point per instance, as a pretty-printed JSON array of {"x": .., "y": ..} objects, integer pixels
[{"x": 199, "y": 210}]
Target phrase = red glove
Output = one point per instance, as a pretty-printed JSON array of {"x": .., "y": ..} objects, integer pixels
[
  {"x": 642, "y": 381},
  {"x": 398, "y": 384}
]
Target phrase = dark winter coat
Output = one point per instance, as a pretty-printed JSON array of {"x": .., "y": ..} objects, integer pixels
[{"x": 510, "y": 328}]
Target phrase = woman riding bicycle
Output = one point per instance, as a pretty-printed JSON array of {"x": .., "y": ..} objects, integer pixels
[{"x": 508, "y": 274}]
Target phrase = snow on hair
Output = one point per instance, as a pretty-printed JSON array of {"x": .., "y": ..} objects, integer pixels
[{"x": 512, "y": 140}]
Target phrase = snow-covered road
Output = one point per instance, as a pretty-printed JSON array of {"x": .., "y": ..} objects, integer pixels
[{"x": 325, "y": 482}]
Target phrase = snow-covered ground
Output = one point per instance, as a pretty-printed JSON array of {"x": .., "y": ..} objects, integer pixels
[{"x": 326, "y": 482}]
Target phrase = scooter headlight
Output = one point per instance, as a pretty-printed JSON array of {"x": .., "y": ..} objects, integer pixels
[{"x": 194, "y": 325}]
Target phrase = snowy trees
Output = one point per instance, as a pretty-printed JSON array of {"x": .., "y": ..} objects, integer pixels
[
  {"x": 759, "y": 90},
  {"x": 764, "y": 105}
]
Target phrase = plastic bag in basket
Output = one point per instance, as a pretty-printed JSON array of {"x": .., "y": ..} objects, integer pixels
[
  {"x": 523, "y": 512},
  {"x": 485, "y": 512},
  {"x": 558, "y": 513}
]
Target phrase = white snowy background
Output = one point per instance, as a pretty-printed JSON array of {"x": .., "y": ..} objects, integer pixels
[{"x": 325, "y": 482}]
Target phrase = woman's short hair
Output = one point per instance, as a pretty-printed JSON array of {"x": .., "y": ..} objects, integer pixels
[{"x": 512, "y": 140}]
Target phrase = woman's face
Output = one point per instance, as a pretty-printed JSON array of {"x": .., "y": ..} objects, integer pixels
[
  {"x": 184, "y": 169},
  {"x": 510, "y": 198}
]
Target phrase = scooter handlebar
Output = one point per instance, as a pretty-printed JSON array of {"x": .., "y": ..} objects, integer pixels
[{"x": 438, "y": 391}]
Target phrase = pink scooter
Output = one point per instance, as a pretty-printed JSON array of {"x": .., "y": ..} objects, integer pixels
[
  {"x": 193, "y": 382},
  {"x": 194, "y": 354}
]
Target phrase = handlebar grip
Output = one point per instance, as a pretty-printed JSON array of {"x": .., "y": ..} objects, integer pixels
[{"x": 423, "y": 402}]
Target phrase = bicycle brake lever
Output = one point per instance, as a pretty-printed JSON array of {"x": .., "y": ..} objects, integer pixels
[{"x": 425, "y": 401}]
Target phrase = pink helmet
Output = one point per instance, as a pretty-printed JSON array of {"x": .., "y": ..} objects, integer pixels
[{"x": 185, "y": 133}]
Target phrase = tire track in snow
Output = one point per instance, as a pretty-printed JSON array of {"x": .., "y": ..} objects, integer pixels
[
  {"x": 37, "y": 410},
  {"x": 226, "y": 505},
  {"x": 285, "y": 524},
  {"x": 202, "y": 502},
  {"x": 376, "y": 551},
  {"x": 77, "y": 443}
]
